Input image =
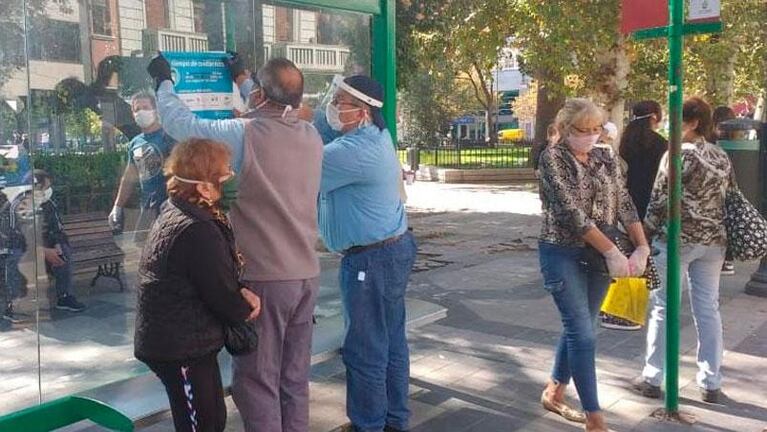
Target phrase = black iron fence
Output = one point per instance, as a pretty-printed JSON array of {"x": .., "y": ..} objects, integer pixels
[{"x": 500, "y": 156}]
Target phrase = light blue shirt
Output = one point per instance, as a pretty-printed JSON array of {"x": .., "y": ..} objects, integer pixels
[
  {"x": 360, "y": 201},
  {"x": 180, "y": 123}
]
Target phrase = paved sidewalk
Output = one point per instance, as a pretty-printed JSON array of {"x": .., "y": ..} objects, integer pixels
[{"x": 483, "y": 367}]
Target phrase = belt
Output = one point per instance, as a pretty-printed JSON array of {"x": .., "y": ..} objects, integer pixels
[{"x": 358, "y": 249}]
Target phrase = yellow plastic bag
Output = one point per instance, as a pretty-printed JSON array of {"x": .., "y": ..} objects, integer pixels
[{"x": 627, "y": 298}]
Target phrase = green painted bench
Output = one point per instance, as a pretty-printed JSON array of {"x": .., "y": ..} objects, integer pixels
[{"x": 64, "y": 412}]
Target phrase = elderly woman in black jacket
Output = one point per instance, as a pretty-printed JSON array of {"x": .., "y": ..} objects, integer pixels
[{"x": 189, "y": 290}]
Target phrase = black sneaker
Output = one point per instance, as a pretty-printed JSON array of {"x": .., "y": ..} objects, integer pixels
[
  {"x": 70, "y": 303},
  {"x": 614, "y": 323},
  {"x": 711, "y": 396},
  {"x": 646, "y": 389},
  {"x": 11, "y": 316},
  {"x": 728, "y": 268},
  {"x": 391, "y": 429}
]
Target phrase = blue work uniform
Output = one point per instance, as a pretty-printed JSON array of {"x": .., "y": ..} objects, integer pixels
[
  {"x": 361, "y": 214},
  {"x": 360, "y": 202}
]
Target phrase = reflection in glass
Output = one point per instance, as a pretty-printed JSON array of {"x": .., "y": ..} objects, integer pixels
[{"x": 76, "y": 107}]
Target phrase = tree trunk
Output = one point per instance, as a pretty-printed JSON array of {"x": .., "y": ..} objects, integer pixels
[
  {"x": 547, "y": 105},
  {"x": 491, "y": 137},
  {"x": 720, "y": 82},
  {"x": 614, "y": 71},
  {"x": 486, "y": 97}
]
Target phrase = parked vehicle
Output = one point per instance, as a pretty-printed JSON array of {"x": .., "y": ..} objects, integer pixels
[{"x": 511, "y": 134}]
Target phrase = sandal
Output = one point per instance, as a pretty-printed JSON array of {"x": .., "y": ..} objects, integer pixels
[{"x": 562, "y": 409}]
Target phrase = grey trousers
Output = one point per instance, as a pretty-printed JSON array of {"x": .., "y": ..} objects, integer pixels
[{"x": 271, "y": 386}]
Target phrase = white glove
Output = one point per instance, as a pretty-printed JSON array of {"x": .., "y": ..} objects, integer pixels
[
  {"x": 116, "y": 219},
  {"x": 638, "y": 260},
  {"x": 617, "y": 263}
]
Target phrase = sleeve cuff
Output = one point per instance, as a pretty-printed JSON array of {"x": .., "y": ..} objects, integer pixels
[
  {"x": 166, "y": 86},
  {"x": 584, "y": 228}
]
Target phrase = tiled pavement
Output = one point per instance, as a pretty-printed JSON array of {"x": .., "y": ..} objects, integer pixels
[{"x": 482, "y": 367}]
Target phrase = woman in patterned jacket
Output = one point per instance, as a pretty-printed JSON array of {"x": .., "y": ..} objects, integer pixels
[
  {"x": 583, "y": 192},
  {"x": 707, "y": 175}
]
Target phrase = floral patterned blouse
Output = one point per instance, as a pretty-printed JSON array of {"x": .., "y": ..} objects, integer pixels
[
  {"x": 578, "y": 196},
  {"x": 707, "y": 175}
]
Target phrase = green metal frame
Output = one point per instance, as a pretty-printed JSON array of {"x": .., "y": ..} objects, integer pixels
[
  {"x": 687, "y": 29},
  {"x": 674, "y": 283},
  {"x": 675, "y": 32},
  {"x": 384, "y": 43},
  {"x": 64, "y": 412},
  {"x": 373, "y": 7},
  {"x": 384, "y": 64}
]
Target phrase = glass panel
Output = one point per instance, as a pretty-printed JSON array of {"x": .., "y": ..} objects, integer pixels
[
  {"x": 68, "y": 109},
  {"x": 18, "y": 327}
]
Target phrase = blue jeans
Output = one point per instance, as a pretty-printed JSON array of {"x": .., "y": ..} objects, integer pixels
[
  {"x": 63, "y": 274},
  {"x": 701, "y": 267},
  {"x": 375, "y": 351},
  {"x": 578, "y": 294}
]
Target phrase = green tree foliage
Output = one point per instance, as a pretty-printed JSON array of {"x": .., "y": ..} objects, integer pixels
[
  {"x": 573, "y": 47},
  {"x": 455, "y": 41}
]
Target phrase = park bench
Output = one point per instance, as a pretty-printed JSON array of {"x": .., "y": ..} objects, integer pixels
[{"x": 94, "y": 246}]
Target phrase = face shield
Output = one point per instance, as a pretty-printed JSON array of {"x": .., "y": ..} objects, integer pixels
[
  {"x": 337, "y": 84},
  {"x": 329, "y": 93}
]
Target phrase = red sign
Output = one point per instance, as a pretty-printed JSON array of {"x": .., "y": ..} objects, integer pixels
[{"x": 643, "y": 14}]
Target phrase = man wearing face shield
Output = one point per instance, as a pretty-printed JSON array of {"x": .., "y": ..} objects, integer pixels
[
  {"x": 146, "y": 156},
  {"x": 363, "y": 217},
  {"x": 278, "y": 159}
]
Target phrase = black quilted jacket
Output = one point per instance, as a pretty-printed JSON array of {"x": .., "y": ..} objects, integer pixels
[{"x": 188, "y": 286}]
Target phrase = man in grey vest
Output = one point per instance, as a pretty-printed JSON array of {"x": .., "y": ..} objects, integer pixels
[{"x": 278, "y": 160}]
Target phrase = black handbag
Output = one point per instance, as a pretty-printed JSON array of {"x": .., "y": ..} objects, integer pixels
[
  {"x": 241, "y": 339},
  {"x": 746, "y": 228},
  {"x": 594, "y": 261}
]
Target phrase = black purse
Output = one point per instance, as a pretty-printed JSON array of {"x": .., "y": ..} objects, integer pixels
[
  {"x": 241, "y": 339},
  {"x": 746, "y": 228},
  {"x": 595, "y": 262}
]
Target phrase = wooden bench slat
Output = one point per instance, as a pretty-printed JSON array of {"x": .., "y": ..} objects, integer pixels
[
  {"x": 100, "y": 252},
  {"x": 85, "y": 217},
  {"x": 85, "y": 224},
  {"x": 84, "y": 243},
  {"x": 75, "y": 239},
  {"x": 90, "y": 230}
]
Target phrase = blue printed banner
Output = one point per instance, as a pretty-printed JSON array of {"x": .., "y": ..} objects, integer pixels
[{"x": 202, "y": 82}]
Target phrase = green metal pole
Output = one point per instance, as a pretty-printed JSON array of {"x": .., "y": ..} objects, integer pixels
[
  {"x": 230, "y": 25},
  {"x": 674, "y": 282},
  {"x": 384, "y": 60}
]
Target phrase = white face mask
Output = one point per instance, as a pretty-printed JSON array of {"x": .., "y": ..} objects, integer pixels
[
  {"x": 42, "y": 197},
  {"x": 145, "y": 118},
  {"x": 582, "y": 144},
  {"x": 333, "y": 115}
]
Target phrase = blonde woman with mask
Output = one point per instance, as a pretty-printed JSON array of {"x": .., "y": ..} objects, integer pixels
[{"x": 583, "y": 190}]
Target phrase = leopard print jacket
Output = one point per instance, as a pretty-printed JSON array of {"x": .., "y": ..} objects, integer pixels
[
  {"x": 578, "y": 196},
  {"x": 707, "y": 175}
]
